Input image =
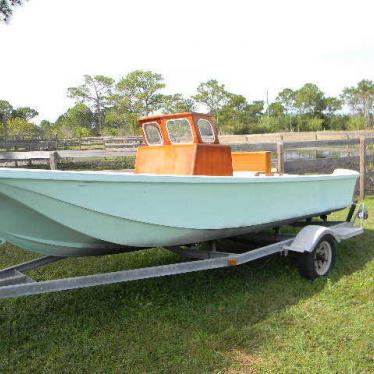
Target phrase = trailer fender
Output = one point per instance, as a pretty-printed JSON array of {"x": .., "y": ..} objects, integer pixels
[{"x": 308, "y": 237}]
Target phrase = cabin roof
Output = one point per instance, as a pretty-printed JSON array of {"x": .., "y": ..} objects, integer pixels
[{"x": 171, "y": 115}]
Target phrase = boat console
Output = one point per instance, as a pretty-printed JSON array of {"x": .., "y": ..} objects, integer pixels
[{"x": 188, "y": 144}]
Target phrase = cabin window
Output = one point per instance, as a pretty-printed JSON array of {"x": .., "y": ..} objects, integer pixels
[
  {"x": 152, "y": 133},
  {"x": 179, "y": 131},
  {"x": 206, "y": 131}
]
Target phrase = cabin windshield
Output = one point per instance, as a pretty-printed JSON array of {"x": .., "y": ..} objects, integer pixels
[
  {"x": 179, "y": 131},
  {"x": 152, "y": 133},
  {"x": 206, "y": 131}
]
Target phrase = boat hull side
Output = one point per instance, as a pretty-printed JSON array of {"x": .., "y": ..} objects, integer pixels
[
  {"x": 30, "y": 230},
  {"x": 199, "y": 203},
  {"x": 138, "y": 213}
]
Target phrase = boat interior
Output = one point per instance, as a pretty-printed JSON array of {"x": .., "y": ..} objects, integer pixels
[{"x": 188, "y": 144}]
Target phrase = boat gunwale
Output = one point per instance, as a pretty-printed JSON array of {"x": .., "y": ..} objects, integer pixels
[{"x": 129, "y": 177}]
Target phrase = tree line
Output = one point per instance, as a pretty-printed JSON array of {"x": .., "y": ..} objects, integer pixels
[{"x": 104, "y": 106}]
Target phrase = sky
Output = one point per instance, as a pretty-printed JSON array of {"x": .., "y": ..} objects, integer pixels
[{"x": 251, "y": 46}]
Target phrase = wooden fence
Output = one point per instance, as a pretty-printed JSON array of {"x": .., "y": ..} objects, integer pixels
[
  {"x": 103, "y": 142},
  {"x": 19, "y": 143},
  {"x": 296, "y": 136},
  {"x": 361, "y": 161}
]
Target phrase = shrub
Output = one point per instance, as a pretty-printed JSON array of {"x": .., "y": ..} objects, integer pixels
[{"x": 356, "y": 123}]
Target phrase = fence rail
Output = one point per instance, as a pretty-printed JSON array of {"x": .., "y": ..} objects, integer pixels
[
  {"x": 316, "y": 165},
  {"x": 19, "y": 143},
  {"x": 103, "y": 142}
]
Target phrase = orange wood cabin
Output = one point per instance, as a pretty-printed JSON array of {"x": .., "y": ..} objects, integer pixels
[{"x": 187, "y": 144}]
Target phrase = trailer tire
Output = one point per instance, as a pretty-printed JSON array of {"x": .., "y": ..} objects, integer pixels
[{"x": 320, "y": 261}]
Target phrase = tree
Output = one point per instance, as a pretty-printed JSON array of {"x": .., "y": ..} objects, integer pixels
[
  {"x": 118, "y": 120},
  {"x": 332, "y": 120},
  {"x": 332, "y": 105},
  {"x": 80, "y": 116},
  {"x": 309, "y": 100},
  {"x": 21, "y": 127},
  {"x": 96, "y": 93},
  {"x": 360, "y": 99},
  {"x": 305, "y": 123},
  {"x": 213, "y": 95},
  {"x": 48, "y": 128},
  {"x": 73, "y": 121},
  {"x": 177, "y": 104},
  {"x": 238, "y": 116},
  {"x": 25, "y": 113},
  {"x": 237, "y": 102},
  {"x": 5, "y": 115},
  {"x": 256, "y": 109},
  {"x": 267, "y": 124},
  {"x": 276, "y": 109},
  {"x": 356, "y": 123},
  {"x": 139, "y": 92},
  {"x": 14, "y": 120},
  {"x": 232, "y": 115},
  {"x": 287, "y": 99},
  {"x": 62, "y": 128},
  {"x": 7, "y": 8},
  {"x": 306, "y": 108},
  {"x": 81, "y": 132}
]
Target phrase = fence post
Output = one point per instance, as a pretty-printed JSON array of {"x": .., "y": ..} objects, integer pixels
[
  {"x": 280, "y": 157},
  {"x": 362, "y": 166},
  {"x": 53, "y": 160}
]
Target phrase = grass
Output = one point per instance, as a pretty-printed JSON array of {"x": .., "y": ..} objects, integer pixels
[{"x": 258, "y": 318}]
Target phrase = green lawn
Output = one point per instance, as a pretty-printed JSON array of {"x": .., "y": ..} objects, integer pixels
[{"x": 258, "y": 318}]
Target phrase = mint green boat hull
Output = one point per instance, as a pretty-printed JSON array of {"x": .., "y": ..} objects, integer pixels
[{"x": 89, "y": 213}]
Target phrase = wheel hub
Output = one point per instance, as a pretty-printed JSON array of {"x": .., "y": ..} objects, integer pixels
[{"x": 323, "y": 257}]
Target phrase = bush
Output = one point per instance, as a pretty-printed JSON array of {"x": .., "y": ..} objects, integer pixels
[
  {"x": 337, "y": 123},
  {"x": 21, "y": 127},
  {"x": 309, "y": 124},
  {"x": 110, "y": 131},
  {"x": 274, "y": 124},
  {"x": 356, "y": 123},
  {"x": 81, "y": 132}
]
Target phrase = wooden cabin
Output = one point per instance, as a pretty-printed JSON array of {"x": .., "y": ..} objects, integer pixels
[{"x": 188, "y": 144}]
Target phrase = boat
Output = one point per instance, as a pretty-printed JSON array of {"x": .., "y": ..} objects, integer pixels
[{"x": 186, "y": 188}]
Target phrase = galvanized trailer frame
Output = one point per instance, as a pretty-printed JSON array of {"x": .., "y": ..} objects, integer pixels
[{"x": 14, "y": 283}]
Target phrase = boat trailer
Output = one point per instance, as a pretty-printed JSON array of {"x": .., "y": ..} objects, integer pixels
[{"x": 314, "y": 244}]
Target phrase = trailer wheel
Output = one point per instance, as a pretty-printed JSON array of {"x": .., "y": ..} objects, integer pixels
[{"x": 320, "y": 261}]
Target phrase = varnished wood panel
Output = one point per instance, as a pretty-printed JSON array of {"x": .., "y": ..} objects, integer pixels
[{"x": 252, "y": 161}]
